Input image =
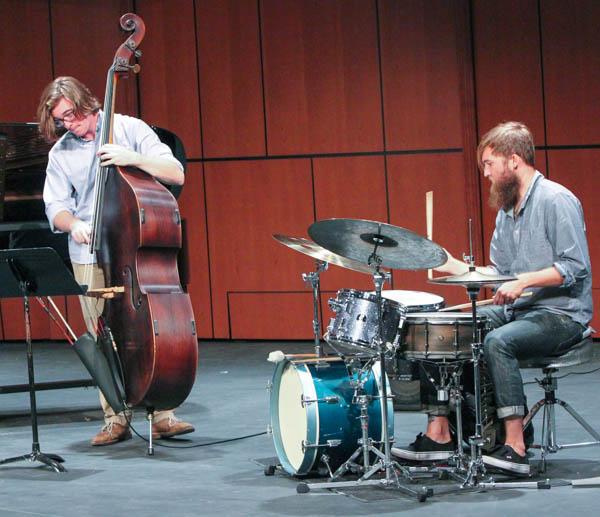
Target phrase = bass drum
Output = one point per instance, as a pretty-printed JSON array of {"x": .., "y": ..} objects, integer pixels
[{"x": 313, "y": 418}]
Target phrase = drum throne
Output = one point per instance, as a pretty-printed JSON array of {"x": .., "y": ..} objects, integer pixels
[{"x": 586, "y": 352}]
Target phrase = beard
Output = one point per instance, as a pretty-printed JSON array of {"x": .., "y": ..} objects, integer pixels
[{"x": 505, "y": 192}]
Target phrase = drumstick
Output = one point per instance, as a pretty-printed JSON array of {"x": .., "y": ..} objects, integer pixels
[
  {"x": 429, "y": 219},
  {"x": 489, "y": 301}
]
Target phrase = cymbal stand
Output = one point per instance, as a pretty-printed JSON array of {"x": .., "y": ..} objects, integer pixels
[
  {"x": 475, "y": 469},
  {"x": 384, "y": 462},
  {"x": 312, "y": 280}
]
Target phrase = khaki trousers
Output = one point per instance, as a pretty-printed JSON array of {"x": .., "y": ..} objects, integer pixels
[{"x": 92, "y": 309}]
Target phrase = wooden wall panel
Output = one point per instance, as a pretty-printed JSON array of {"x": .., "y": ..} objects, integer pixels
[
  {"x": 230, "y": 78},
  {"x": 409, "y": 178},
  {"x": 247, "y": 202},
  {"x": 421, "y": 73},
  {"x": 271, "y": 315},
  {"x": 571, "y": 71},
  {"x": 321, "y": 76},
  {"x": 85, "y": 39},
  {"x": 193, "y": 211},
  {"x": 13, "y": 320},
  {"x": 596, "y": 317},
  {"x": 169, "y": 79},
  {"x": 349, "y": 187},
  {"x": 508, "y": 71},
  {"x": 25, "y": 60},
  {"x": 574, "y": 169}
]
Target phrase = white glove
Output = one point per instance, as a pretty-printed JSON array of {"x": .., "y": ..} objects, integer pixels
[{"x": 81, "y": 232}]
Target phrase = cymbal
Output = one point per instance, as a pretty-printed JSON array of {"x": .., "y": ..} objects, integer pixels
[
  {"x": 473, "y": 278},
  {"x": 357, "y": 239},
  {"x": 315, "y": 251}
]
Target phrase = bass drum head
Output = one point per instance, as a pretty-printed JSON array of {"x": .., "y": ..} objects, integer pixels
[{"x": 292, "y": 412}]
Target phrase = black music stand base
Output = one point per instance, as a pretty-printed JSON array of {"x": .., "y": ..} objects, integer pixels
[
  {"x": 34, "y": 272},
  {"x": 51, "y": 460}
]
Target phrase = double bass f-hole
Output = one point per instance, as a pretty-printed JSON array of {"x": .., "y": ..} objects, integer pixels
[{"x": 135, "y": 297}]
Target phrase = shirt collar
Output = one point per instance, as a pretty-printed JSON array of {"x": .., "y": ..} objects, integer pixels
[{"x": 532, "y": 184}]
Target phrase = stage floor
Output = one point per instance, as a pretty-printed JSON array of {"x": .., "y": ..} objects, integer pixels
[{"x": 229, "y": 400}]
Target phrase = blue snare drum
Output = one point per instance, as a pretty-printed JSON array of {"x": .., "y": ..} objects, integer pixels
[{"x": 312, "y": 413}]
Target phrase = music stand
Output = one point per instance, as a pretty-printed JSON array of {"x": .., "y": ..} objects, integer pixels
[{"x": 37, "y": 272}]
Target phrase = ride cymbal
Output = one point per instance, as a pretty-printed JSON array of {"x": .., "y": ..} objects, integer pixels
[{"x": 363, "y": 241}]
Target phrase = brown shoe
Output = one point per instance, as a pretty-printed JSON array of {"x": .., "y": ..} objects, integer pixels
[
  {"x": 170, "y": 427},
  {"x": 111, "y": 433}
]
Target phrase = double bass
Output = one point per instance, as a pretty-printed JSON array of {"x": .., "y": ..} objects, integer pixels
[{"x": 136, "y": 234}]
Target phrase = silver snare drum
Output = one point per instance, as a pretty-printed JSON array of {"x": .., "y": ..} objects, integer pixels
[
  {"x": 439, "y": 335},
  {"x": 355, "y": 324}
]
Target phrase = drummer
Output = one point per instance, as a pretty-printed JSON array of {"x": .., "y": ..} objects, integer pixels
[{"x": 540, "y": 239}]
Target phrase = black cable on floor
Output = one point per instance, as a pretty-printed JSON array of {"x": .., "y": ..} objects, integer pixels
[{"x": 157, "y": 442}]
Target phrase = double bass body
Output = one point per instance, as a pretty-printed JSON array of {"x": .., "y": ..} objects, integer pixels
[{"x": 152, "y": 322}]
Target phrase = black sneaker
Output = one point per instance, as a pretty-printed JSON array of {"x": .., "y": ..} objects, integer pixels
[
  {"x": 425, "y": 449},
  {"x": 508, "y": 461}
]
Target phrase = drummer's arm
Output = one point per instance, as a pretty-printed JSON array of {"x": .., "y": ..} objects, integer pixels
[
  {"x": 510, "y": 291},
  {"x": 457, "y": 267}
]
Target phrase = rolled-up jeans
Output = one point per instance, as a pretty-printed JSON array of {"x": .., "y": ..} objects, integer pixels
[{"x": 522, "y": 334}]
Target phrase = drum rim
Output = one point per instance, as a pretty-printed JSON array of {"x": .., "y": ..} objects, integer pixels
[
  {"x": 312, "y": 416},
  {"x": 372, "y": 297}
]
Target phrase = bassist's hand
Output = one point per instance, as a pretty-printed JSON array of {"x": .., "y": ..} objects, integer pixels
[{"x": 113, "y": 154}]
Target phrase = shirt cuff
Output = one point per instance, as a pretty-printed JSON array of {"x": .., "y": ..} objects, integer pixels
[{"x": 568, "y": 277}]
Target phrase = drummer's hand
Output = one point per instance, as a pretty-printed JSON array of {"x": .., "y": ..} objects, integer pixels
[
  {"x": 80, "y": 231},
  {"x": 452, "y": 266},
  {"x": 508, "y": 292},
  {"x": 113, "y": 154}
]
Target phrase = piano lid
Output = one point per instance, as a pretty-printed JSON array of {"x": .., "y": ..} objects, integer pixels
[
  {"x": 23, "y": 159},
  {"x": 21, "y": 145}
]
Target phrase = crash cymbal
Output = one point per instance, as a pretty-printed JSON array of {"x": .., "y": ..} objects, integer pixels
[
  {"x": 310, "y": 248},
  {"x": 358, "y": 239},
  {"x": 473, "y": 278}
]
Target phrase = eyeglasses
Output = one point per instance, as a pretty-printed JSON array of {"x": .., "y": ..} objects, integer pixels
[{"x": 68, "y": 116}]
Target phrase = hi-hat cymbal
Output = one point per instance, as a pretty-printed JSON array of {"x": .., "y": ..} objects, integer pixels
[
  {"x": 358, "y": 239},
  {"x": 473, "y": 279},
  {"x": 315, "y": 251}
]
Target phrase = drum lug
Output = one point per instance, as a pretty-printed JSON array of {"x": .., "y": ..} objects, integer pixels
[
  {"x": 329, "y": 443},
  {"x": 335, "y": 305},
  {"x": 269, "y": 386},
  {"x": 328, "y": 400}
]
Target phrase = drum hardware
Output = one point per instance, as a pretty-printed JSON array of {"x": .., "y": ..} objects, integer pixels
[
  {"x": 328, "y": 400},
  {"x": 322, "y": 258},
  {"x": 313, "y": 280},
  {"x": 471, "y": 475},
  {"x": 376, "y": 244}
]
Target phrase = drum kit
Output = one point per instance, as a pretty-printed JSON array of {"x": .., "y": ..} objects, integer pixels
[{"x": 333, "y": 414}]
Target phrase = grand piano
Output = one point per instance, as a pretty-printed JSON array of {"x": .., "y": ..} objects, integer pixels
[{"x": 23, "y": 158}]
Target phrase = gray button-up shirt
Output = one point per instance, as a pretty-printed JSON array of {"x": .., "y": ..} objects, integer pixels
[
  {"x": 549, "y": 230},
  {"x": 71, "y": 172}
]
